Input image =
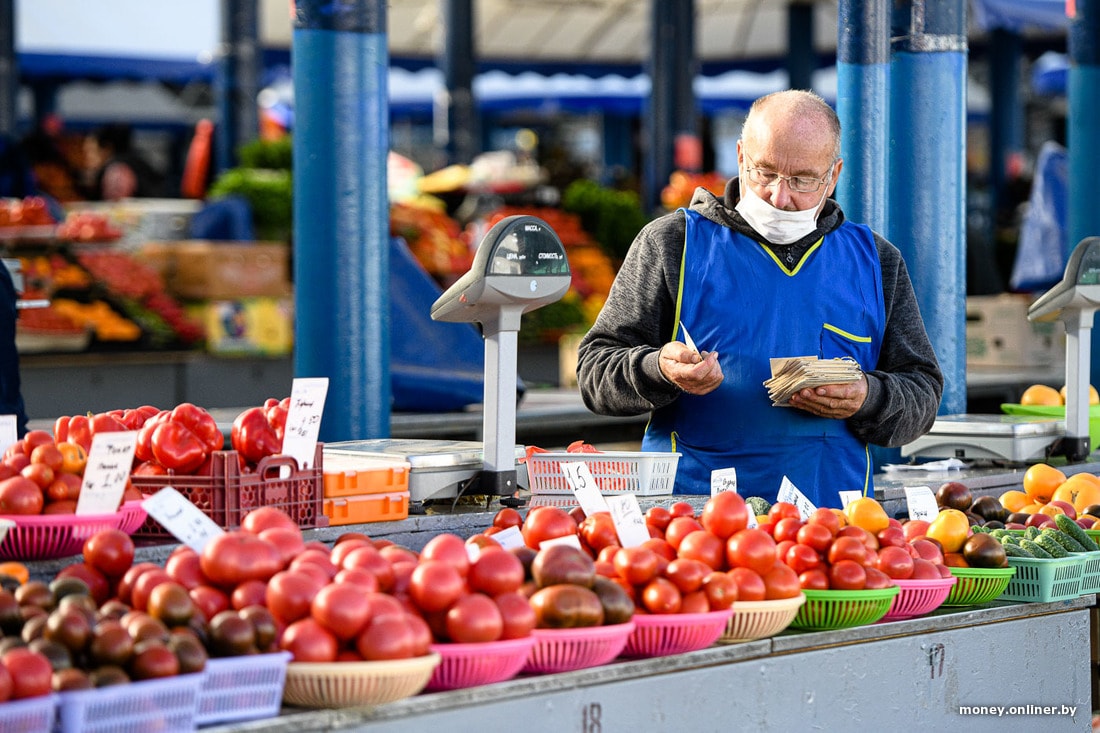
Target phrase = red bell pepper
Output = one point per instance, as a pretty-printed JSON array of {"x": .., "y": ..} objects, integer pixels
[
  {"x": 276, "y": 411},
  {"x": 177, "y": 447},
  {"x": 143, "y": 451},
  {"x": 201, "y": 423},
  {"x": 254, "y": 436},
  {"x": 75, "y": 429}
]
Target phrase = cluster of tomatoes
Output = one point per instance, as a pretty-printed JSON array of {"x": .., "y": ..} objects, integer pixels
[{"x": 41, "y": 476}]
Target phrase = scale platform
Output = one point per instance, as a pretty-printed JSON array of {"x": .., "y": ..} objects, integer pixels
[
  {"x": 1014, "y": 438},
  {"x": 438, "y": 469}
]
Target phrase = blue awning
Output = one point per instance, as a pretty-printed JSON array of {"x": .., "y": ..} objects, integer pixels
[{"x": 1019, "y": 15}]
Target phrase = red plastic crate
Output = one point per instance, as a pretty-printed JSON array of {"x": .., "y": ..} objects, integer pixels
[{"x": 228, "y": 494}]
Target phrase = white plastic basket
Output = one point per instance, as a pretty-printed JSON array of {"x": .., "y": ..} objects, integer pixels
[
  {"x": 242, "y": 688},
  {"x": 616, "y": 472}
]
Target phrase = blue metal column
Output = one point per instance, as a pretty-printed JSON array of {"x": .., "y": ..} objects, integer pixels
[
  {"x": 801, "y": 59},
  {"x": 341, "y": 215},
  {"x": 460, "y": 120},
  {"x": 927, "y": 196},
  {"x": 1082, "y": 138},
  {"x": 1006, "y": 124},
  {"x": 687, "y": 147},
  {"x": 238, "y": 81},
  {"x": 9, "y": 70},
  {"x": 660, "y": 115},
  {"x": 863, "y": 105}
]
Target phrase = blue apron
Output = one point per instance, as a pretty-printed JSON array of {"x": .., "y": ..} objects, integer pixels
[{"x": 736, "y": 298}]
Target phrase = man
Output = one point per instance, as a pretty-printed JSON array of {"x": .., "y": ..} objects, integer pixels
[{"x": 773, "y": 269}]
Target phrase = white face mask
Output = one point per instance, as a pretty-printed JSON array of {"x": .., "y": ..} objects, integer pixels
[{"x": 776, "y": 225}]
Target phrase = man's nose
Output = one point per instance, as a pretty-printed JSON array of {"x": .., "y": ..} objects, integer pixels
[{"x": 780, "y": 194}]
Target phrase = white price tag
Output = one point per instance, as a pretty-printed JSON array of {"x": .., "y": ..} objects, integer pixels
[
  {"x": 584, "y": 486},
  {"x": 303, "y": 419},
  {"x": 847, "y": 497},
  {"x": 9, "y": 432},
  {"x": 922, "y": 503},
  {"x": 752, "y": 520},
  {"x": 723, "y": 479},
  {"x": 185, "y": 521},
  {"x": 628, "y": 520},
  {"x": 106, "y": 472},
  {"x": 790, "y": 494},
  {"x": 570, "y": 539},
  {"x": 509, "y": 538}
]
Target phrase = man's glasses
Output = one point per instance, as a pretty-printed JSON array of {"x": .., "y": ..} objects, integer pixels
[{"x": 799, "y": 184}]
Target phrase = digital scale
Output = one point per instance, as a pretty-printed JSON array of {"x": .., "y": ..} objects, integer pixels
[
  {"x": 519, "y": 266},
  {"x": 1022, "y": 438}
]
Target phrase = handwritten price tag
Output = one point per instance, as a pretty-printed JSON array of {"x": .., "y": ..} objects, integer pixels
[
  {"x": 570, "y": 539},
  {"x": 9, "y": 431},
  {"x": 847, "y": 497},
  {"x": 628, "y": 519},
  {"x": 584, "y": 486},
  {"x": 184, "y": 520},
  {"x": 303, "y": 419},
  {"x": 921, "y": 502},
  {"x": 790, "y": 494},
  {"x": 723, "y": 479},
  {"x": 509, "y": 538},
  {"x": 106, "y": 472}
]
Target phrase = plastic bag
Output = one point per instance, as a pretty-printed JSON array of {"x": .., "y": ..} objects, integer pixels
[{"x": 1042, "y": 253}]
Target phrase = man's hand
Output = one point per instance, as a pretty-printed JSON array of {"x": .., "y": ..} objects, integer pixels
[
  {"x": 690, "y": 371},
  {"x": 838, "y": 401}
]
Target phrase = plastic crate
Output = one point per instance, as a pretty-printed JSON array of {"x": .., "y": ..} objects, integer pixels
[
  {"x": 978, "y": 585},
  {"x": 46, "y": 536},
  {"x": 228, "y": 494},
  {"x": 1090, "y": 572},
  {"x": 242, "y": 688},
  {"x": 164, "y": 705},
  {"x": 368, "y": 508},
  {"x": 346, "y": 476},
  {"x": 1043, "y": 580},
  {"x": 616, "y": 472},
  {"x": 29, "y": 715}
]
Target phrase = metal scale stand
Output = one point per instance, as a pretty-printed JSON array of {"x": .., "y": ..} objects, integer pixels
[
  {"x": 519, "y": 266},
  {"x": 1020, "y": 438}
]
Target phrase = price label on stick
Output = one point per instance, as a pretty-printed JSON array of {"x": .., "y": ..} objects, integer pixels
[
  {"x": 106, "y": 472},
  {"x": 303, "y": 419},
  {"x": 628, "y": 519},
  {"x": 184, "y": 520},
  {"x": 723, "y": 479},
  {"x": 9, "y": 431},
  {"x": 509, "y": 538},
  {"x": 921, "y": 502},
  {"x": 584, "y": 486},
  {"x": 790, "y": 494},
  {"x": 847, "y": 497}
]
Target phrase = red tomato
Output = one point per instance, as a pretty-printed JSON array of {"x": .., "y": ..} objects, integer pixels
[
  {"x": 507, "y": 517},
  {"x": 183, "y": 566},
  {"x": 800, "y": 558},
  {"x": 679, "y": 528},
  {"x": 288, "y": 541},
  {"x": 35, "y": 438},
  {"x": 236, "y": 556},
  {"x": 435, "y": 584},
  {"x": 847, "y": 575},
  {"x": 309, "y": 641},
  {"x": 6, "y": 683},
  {"x": 787, "y": 529},
  {"x": 924, "y": 570},
  {"x": 474, "y": 618},
  {"x": 20, "y": 495},
  {"x": 494, "y": 573},
  {"x": 661, "y": 547},
  {"x": 780, "y": 582},
  {"x": 388, "y": 637},
  {"x": 342, "y": 608},
  {"x": 688, "y": 574},
  {"x": 816, "y": 535},
  {"x": 660, "y": 595},
  {"x": 750, "y": 585},
  {"x": 248, "y": 593},
  {"x": 846, "y": 548},
  {"x": 876, "y": 579},
  {"x": 781, "y": 548},
  {"x": 681, "y": 509},
  {"x": 891, "y": 536},
  {"x": 814, "y": 579},
  {"x": 546, "y": 524},
  {"x": 31, "y": 672},
  {"x": 896, "y": 562},
  {"x": 110, "y": 551},
  {"x": 636, "y": 565},
  {"x": 598, "y": 531},
  {"x": 701, "y": 545},
  {"x": 720, "y": 589},
  {"x": 341, "y": 550},
  {"x": 783, "y": 510},
  {"x": 753, "y": 549},
  {"x": 126, "y": 585},
  {"x": 209, "y": 600},
  {"x": 360, "y": 577},
  {"x": 695, "y": 602},
  {"x": 725, "y": 514},
  {"x": 869, "y": 540},
  {"x": 265, "y": 517},
  {"x": 144, "y": 585},
  {"x": 99, "y": 587},
  {"x": 448, "y": 548},
  {"x": 517, "y": 616},
  {"x": 289, "y": 594},
  {"x": 827, "y": 518},
  {"x": 657, "y": 517},
  {"x": 372, "y": 560},
  {"x": 608, "y": 553}
]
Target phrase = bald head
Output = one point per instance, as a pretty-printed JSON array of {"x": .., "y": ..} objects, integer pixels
[{"x": 794, "y": 117}]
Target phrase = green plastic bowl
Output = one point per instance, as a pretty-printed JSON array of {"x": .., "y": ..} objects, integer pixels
[
  {"x": 842, "y": 609},
  {"x": 978, "y": 585},
  {"x": 1058, "y": 411}
]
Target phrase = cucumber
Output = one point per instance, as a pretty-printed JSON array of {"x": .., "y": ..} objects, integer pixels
[
  {"x": 1051, "y": 545},
  {"x": 998, "y": 533},
  {"x": 1031, "y": 533},
  {"x": 1012, "y": 539},
  {"x": 1065, "y": 540},
  {"x": 1012, "y": 550},
  {"x": 1036, "y": 550},
  {"x": 1074, "y": 530},
  {"x": 979, "y": 528}
]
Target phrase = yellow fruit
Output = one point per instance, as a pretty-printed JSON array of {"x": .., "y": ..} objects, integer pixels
[
  {"x": 1041, "y": 394},
  {"x": 868, "y": 514},
  {"x": 949, "y": 528},
  {"x": 1041, "y": 480},
  {"x": 1081, "y": 490},
  {"x": 1094, "y": 396},
  {"x": 1014, "y": 500}
]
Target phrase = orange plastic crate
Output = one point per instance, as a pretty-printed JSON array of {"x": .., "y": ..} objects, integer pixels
[
  {"x": 228, "y": 494},
  {"x": 356, "y": 476},
  {"x": 367, "y": 508}
]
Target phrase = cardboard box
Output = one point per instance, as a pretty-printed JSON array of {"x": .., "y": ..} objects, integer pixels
[
  {"x": 999, "y": 334},
  {"x": 247, "y": 325},
  {"x": 206, "y": 270}
]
